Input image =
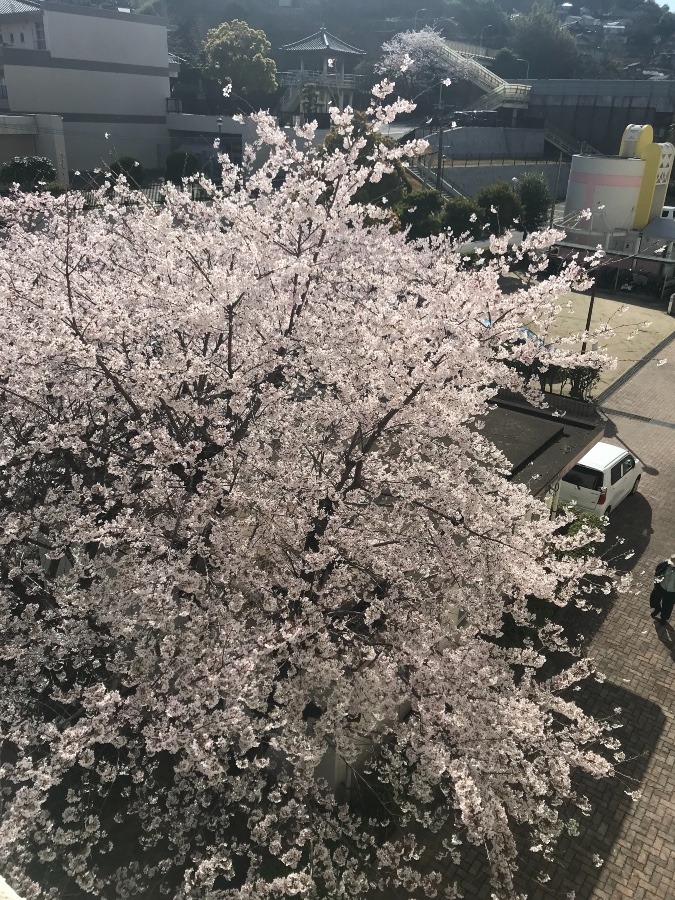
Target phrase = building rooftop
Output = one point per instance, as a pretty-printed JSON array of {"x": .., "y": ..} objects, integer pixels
[
  {"x": 542, "y": 444},
  {"x": 17, "y": 7},
  {"x": 323, "y": 40}
]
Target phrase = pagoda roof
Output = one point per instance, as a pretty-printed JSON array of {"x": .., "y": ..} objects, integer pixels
[{"x": 323, "y": 40}]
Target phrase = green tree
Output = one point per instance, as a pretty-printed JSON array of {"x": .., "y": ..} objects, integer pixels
[
  {"x": 238, "y": 55},
  {"x": 507, "y": 65},
  {"x": 476, "y": 16},
  {"x": 535, "y": 201},
  {"x": 130, "y": 167},
  {"x": 27, "y": 171},
  {"x": 422, "y": 213},
  {"x": 550, "y": 49},
  {"x": 461, "y": 216},
  {"x": 179, "y": 165},
  {"x": 499, "y": 205}
]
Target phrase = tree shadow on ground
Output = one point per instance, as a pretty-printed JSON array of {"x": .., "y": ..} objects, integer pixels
[{"x": 579, "y": 858}]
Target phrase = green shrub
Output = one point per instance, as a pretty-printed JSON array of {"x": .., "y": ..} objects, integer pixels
[
  {"x": 28, "y": 172},
  {"x": 131, "y": 169},
  {"x": 179, "y": 165}
]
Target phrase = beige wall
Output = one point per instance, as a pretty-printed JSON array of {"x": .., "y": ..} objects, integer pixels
[
  {"x": 124, "y": 40},
  {"x": 25, "y": 27},
  {"x": 61, "y": 91}
]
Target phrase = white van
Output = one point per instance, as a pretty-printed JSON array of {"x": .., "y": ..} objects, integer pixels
[{"x": 601, "y": 479}]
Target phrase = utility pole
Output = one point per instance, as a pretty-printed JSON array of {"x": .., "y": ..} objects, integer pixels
[
  {"x": 590, "y": 315},
  {"x": 439, "y": 164},
  {"x": 555, "y": 192}
]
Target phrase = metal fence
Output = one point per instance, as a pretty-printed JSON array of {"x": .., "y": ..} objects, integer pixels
[{"x": 153, "y": 193}]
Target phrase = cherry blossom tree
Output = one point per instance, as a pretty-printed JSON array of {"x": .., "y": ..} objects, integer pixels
[
  {"x": 244, "y": 492},
  {"x": 416, "y": 60}
]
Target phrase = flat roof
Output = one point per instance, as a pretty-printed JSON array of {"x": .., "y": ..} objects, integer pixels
[{"x": 542, "y": 444}]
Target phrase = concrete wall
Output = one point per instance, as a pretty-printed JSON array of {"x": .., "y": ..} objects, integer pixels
[
  {"x": 473, "y": 142},
  {"x": 598, "y": 111},
  {"x": 88, "y": 147},
  {"x": 35, "y": 136},
  {"x": 12, "y": 145},
  {"x": 470, "y": 179},
  {"x": 105, "y": 35},
  {"x": 47, "y": 89}
]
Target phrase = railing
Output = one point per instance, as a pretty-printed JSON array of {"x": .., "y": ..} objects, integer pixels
[
  {"x": 174, "y": 105},
  {"x": 567, "y": 143},
  {"x": 153, "y": 193},
  {"x": 504, "y": 95},
  {"x": 428, "y": 177},
  {"x": 321, "y": 79},
  {"x": 472, "y": 49},
  {"x": 468, "y": 68}
]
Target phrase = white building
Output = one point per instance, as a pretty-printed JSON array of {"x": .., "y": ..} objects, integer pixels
[{"x": 102, "y": 78}]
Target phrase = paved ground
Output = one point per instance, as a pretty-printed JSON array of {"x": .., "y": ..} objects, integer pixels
[
  {"x": 626, "y": 848},
  {"x": 637, "y": 657},
  {"x": 634, "y": 839},
  {"x": 638, "y": 326}
]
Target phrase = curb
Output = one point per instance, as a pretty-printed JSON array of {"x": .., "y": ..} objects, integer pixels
[{"x": 634, "y": 369}]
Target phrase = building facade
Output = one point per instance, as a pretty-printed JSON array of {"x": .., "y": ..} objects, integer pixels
[{"x": 84, "y": 86}]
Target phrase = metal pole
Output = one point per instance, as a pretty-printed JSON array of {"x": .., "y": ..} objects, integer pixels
[
  {"x": 439, "y": 163},
  {"x": 555, "y": 192},
  {"x": 590, "y": 315}
]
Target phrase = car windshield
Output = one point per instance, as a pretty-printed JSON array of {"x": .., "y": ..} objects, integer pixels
[{"x": 582, "y": 476}]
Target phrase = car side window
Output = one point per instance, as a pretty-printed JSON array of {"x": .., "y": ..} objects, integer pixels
[
  {"x": 627, "y": 465},
  {"x": 616, "y": 473}
]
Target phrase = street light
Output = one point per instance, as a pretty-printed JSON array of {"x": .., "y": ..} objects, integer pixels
[
  {"x": 482, "y": 32},
  {"x": 416, "y": 14},
  {"x": 219, "y": 120},
  {"x": 527, "y": 71},
  {"x": 439, "y": 162}
]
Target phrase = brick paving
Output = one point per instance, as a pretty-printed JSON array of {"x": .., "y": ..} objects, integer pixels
[
  {"x": 626, "y": 848},
  {"x": 638, "y": 657}
]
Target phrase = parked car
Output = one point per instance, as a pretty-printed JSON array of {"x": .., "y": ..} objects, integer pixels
[{"x": 601, "y": 479}]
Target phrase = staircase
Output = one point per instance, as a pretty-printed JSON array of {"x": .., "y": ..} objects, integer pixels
[
  {"x": 291, "y": 96},
  {"x": 427, "y": 176},
  {"x": 500, "y": 93},
  {"x": 515, "y": 96},
  {"x": 567, "y": 143},
  {"x": 473, "y": 71}
]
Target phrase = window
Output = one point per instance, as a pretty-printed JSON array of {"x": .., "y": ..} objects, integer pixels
[
  {"x": 617, "y": 472},
  {"x": 23, "y": 39},
  {"x": 627, "y": 465},
  {"x": 11, "y": 38},
  {"x": 583, "y": 477}
]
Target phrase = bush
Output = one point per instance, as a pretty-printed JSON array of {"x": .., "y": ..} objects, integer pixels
[
  {"x": 505, "y": 203},
  {"x": 131, "y": 169},
  {"x": 421, "y": 212},
  {"x": 462, "y": 216},
  {"x": 179, "y": 165},
  {"x": 28, "y": 172}
]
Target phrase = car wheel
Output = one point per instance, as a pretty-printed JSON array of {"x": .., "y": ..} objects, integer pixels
[
  {"x": 607, "y": 511},
  {"x": 636, "y": 484}
]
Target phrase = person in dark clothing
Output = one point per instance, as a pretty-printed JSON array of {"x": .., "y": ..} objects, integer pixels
[{"x": 662, "y": 599}]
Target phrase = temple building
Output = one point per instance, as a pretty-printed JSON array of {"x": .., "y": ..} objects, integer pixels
[{"x": 322, "y": 77}]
